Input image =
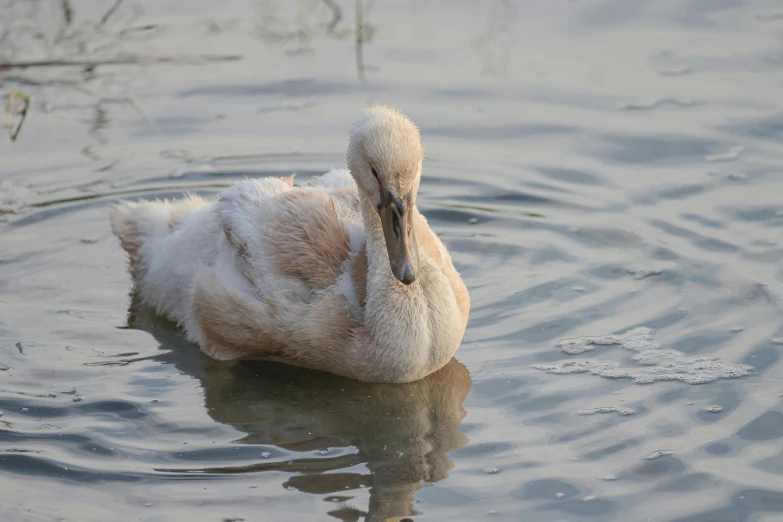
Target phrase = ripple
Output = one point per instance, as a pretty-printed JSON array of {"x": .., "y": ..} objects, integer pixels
[
  {"x": 732, "y": 154},
  {"x": 661, "y": 102}
]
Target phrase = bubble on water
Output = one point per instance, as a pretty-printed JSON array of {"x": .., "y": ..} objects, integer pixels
[
  {"x": 578, "y": 288},
  {"x": 491, "y": 471},
  {"x": 473, "y": 221},
  {"x": 640, "y": 272},
  {"x": 715, "y": 409},
  {"x": 656, "y": 454},
  {"x": 609, "y": 476},
  {"x": 606, "y": 409},
  {"x": 655, "y": 364}
]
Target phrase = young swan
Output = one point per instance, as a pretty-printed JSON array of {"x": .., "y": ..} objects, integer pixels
[{"x": 342, "y": 275}]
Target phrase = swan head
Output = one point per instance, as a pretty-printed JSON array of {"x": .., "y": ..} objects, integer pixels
[{"x": 385, "y": 157}]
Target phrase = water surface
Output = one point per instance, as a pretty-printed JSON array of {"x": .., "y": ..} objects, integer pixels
[{"x": 595, "y": 167}]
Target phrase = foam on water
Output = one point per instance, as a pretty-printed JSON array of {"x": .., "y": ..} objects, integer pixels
[
  {"x": 654, "y": 364},
  {"x": 606, "y": 409},
  {"x": 638, "y": 339}
]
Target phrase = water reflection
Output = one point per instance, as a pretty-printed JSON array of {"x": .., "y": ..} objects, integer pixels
[{"x": 393, "y": 437}]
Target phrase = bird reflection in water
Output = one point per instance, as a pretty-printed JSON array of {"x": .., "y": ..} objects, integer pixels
[{"x": 399, "y": 432}]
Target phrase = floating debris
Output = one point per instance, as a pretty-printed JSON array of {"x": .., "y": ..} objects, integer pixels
[
  {"x": 609, "y": 476},
  {"x": 777, "y": 340},
  {"x": 491, "y": 471},
  {"x": 715, "y": 409},
  {"x": 606, "y": 409},
  {"x": 265, "y": 454},
  {"x": 12, "y": 110},
  {"x": 656, "y": 364},
  {"x": 559, "y": 494},
  {"x": 656, "y": 454},
  {"x": 578, "y": 288}
]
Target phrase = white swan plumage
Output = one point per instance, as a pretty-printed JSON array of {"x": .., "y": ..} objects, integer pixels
[{"x": 342, "y": 274}]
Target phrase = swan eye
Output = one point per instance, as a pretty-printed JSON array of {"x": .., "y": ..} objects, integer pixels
[{"x": 374, "y": 173}]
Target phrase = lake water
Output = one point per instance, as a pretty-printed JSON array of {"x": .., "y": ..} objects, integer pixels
[{"x": 609, "y": 169}]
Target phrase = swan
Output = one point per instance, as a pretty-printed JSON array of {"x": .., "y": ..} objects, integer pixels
[{"x": 341, "y": 274}]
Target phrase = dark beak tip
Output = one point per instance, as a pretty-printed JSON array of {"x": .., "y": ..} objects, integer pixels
[{"x": 407, "y": 277}]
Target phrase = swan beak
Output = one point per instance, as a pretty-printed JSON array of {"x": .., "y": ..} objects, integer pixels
[{"x": 398, "y": 231}]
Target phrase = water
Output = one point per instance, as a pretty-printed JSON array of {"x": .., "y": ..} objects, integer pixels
[{"x": 594, "y": 166}]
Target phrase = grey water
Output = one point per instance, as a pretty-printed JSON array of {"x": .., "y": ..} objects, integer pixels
[{"x": 608, "y": 175}]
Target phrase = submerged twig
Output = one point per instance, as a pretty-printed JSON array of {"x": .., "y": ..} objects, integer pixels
[
  {"x": 67, "y": 12},
  {"x": 143, "y": 114},
  {"x": 131, "y": 60},
  {"x": 14, "y": 132},
  {"x": 110, "y": 12},
  {"x": 337, "y": 15},
  {"x": 360, "y": 40}
]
